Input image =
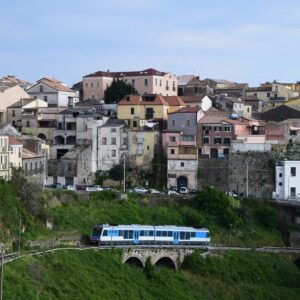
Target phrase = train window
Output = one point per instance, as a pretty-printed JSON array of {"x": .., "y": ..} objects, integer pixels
[
  {"x": 170, "y": 233},
  {"x": 182, "y": 235},
  {"x": 142, "y": 233},
  {"x": 151, "y": 233},
  {"x": 193, "y": 234},
  {"x": 130, "y": 234},
  {"x": 207, "y": 234},
  {"x": 158, "y": 233},
  {"x": 120, "y": 232},
  {"x": 105, "y": 233},
  {"x": 187, "y": 235},
  {"x": 126, "y": 236},
  {"x": 164, "y": 233}
]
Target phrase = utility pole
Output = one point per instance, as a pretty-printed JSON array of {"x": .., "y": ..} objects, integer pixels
[
  {"x": 124, "y": 173},
  {"x": 20, "y": 225},
  {"x": 247, "y": 179},
  {"x": 2, "y": 268}
]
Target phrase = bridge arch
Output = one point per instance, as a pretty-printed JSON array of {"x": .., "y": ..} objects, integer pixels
[
  {"x": 134, "y": 260},
  {"x": 166, "y": 261}
]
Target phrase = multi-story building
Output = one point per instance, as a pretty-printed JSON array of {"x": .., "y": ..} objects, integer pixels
[
  {"x": 15, "y": 154},
  {"x": 147, "y": 116},
  {"x": 149, "y": 81},
  {"x": 113, "y": 140},
  {"x": 235, "y": 90},
  {"x": 8, "y": 96},
  {"x": 54, "y": 92},
  {"x": 190, "y": 85},
  {"x": 274, "y": 91},
  {"x": 204, "y": 102},
  {"x": 287, "y": 186},
  {"x": 180, "y": 144},
  {"x": 4, "y": 156}
]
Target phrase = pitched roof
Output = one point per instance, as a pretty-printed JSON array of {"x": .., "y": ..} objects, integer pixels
[
  {"x": 174, "y": 100},
  {"x": 192, "y": 110},
  {"x": 213, "y": 116},
  {"x": 21, "y": 103},
  {"x": 149, "y": 72},
  {"x": 27, "y": 154},
  {"x": 188, "y": 99},
  {"x": 184, "y": 79},
  {"x": 14, "y": 141},
  {"x": 143, "y": 100},
  {"x": 55, "y": 84}
]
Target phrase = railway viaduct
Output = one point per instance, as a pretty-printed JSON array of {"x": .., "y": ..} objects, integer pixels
[{"x": 159, "y": 256}]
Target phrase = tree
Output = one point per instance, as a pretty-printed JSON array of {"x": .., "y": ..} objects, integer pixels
[
  {"x": 118, "y": 90},
  {"x": 116, "y": 172}
]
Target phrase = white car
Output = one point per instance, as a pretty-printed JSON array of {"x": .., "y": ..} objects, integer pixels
[
  {"x": 154, "y": 191},
  {"x": 71, "y": 187},
  {"x": 95, "y": 188},
  {"x": 171, "y": 192},
  {"x": 183, "y": 190},
  {"x": 140, "y": 190}
]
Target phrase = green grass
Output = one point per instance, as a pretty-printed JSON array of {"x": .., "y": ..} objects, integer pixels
[{"x": 101, "y": 275}]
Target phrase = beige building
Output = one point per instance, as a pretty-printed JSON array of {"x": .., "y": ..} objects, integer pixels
[
  {"x": 8, "y": 96},
  {"x": 149, "y": 81},
  {"x": 4, "y": 156},
  {"x": 15, "y": 154}
]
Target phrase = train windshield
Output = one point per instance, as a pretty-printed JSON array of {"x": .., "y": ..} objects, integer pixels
[{"x": 96, "y": 231}]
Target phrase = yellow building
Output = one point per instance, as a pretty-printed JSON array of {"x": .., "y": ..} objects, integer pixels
[
  {"x": 143, "y": 111},
  {"x": 4, "y": 157}
]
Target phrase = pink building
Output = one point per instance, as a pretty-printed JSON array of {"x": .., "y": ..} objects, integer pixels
[{"x": 149, "y": 81}]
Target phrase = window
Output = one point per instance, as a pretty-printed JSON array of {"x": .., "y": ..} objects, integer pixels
[
  {"x": 113, "y": 153},
  {"x": 188, "y": 123},
  {"x": 173, "y": 123},
  {"x": 255, "y": 94},
  {"x": 104, "y": 141},
  {"x": 248, "y": 109},
  {"x": 113, "y": 141},
  {"x": 104, "y": 233},
  {"x": 172, "y": 151},
  {"x": 133, "y": 82},
  {"x": 182, "y": 164},
  {"x": 170, "y": 233},
  {"x": 293, "y": 132},
  {"x": 187, "y": 138},
  {"x": 173, "y": 139},
  {"x": 293, "y": 191},
  {"x": 27, "y": 124},
  {"x": 227, "y": 141},
  {"x": 156, "y": 81},
  {"x": 149, "y": 113},
  {"x": 69, "y": 167},
  {"x": 134, "y": 123},
  {"x": 92, "y": 84},
  {"x": 206, "y": 140},
  {"x": 280, "y": 184},
  {"x": 160, "y": 82},
  {"x": 218, "y": 141},
  {"x": 158, "y": 233},
  {"x": 293, "y": 171},
  {"x": 132, "y": 110},
  {"x": 113, "y": 130},
  {"x": 86, "y": 84},
  {"x": 97, "y": 84},
  {"x": 217, "y": 128},
  {"x": 146, "y": 82},
  {"x": 280, "y": 174},
  {"x": 45, "y": 98},
  {"x": 41, "y": 89},
  {"x": 13, "y": 113},
  {"x": 268, "y": 95},
  {"x": 167, "y": 85}
]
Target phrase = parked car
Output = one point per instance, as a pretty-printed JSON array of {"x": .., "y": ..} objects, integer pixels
[
  {"x": 173, "y": 188},
  {"x": 154, "y": 191},
  {"x": 95, "y": 188},
  {"x": 71, "y": 187},
  {"x": 183, "y": 190},
  {"x": 58, "y": 186},
  {"x": 231, "y": 194},
  {"x": 171, "y": 192},
  {"x": 193, "y": 191},
  {"x": 140, "y": 190}
]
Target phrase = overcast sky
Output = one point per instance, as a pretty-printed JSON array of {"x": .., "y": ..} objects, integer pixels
[{"x": 243, "y": 41}]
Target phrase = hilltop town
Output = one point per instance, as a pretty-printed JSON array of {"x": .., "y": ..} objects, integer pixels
[{"x": 169, "y": 132}]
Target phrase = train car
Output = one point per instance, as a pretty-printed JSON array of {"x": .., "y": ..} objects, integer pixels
[{"x": 105, "y": 234}]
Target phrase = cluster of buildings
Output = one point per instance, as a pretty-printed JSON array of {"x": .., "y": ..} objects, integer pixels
[{"x": 58, "y": 134}]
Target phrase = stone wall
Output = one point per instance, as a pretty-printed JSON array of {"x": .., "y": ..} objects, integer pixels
[{"x": 231, "y": 174}]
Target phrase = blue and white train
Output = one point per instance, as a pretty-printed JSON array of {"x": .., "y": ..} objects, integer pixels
[{"x": 105, "y": 234}]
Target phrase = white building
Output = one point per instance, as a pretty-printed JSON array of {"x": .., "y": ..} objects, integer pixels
[
  {"x": 112, "y": 144},
  {"x": 287, "y": 180},
  {"x": 54, "y": 92}
]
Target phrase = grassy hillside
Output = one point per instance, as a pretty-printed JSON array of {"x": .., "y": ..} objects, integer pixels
[{"x": 101, "y": 275}]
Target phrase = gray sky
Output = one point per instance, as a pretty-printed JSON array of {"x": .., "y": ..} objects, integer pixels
[{"x": 244, "y": 41}]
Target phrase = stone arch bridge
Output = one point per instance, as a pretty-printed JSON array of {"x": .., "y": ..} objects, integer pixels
[{"x": 159, "y": 256}]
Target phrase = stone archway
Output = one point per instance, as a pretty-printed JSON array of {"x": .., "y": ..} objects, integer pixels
[
  {"x": 182, "y": 181},
  {"x": 59, "y": 140},
  {"x": 42, "y": 136},
  {"x": 134, "y": 260},
  {"x": 166, "y": 261}
]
